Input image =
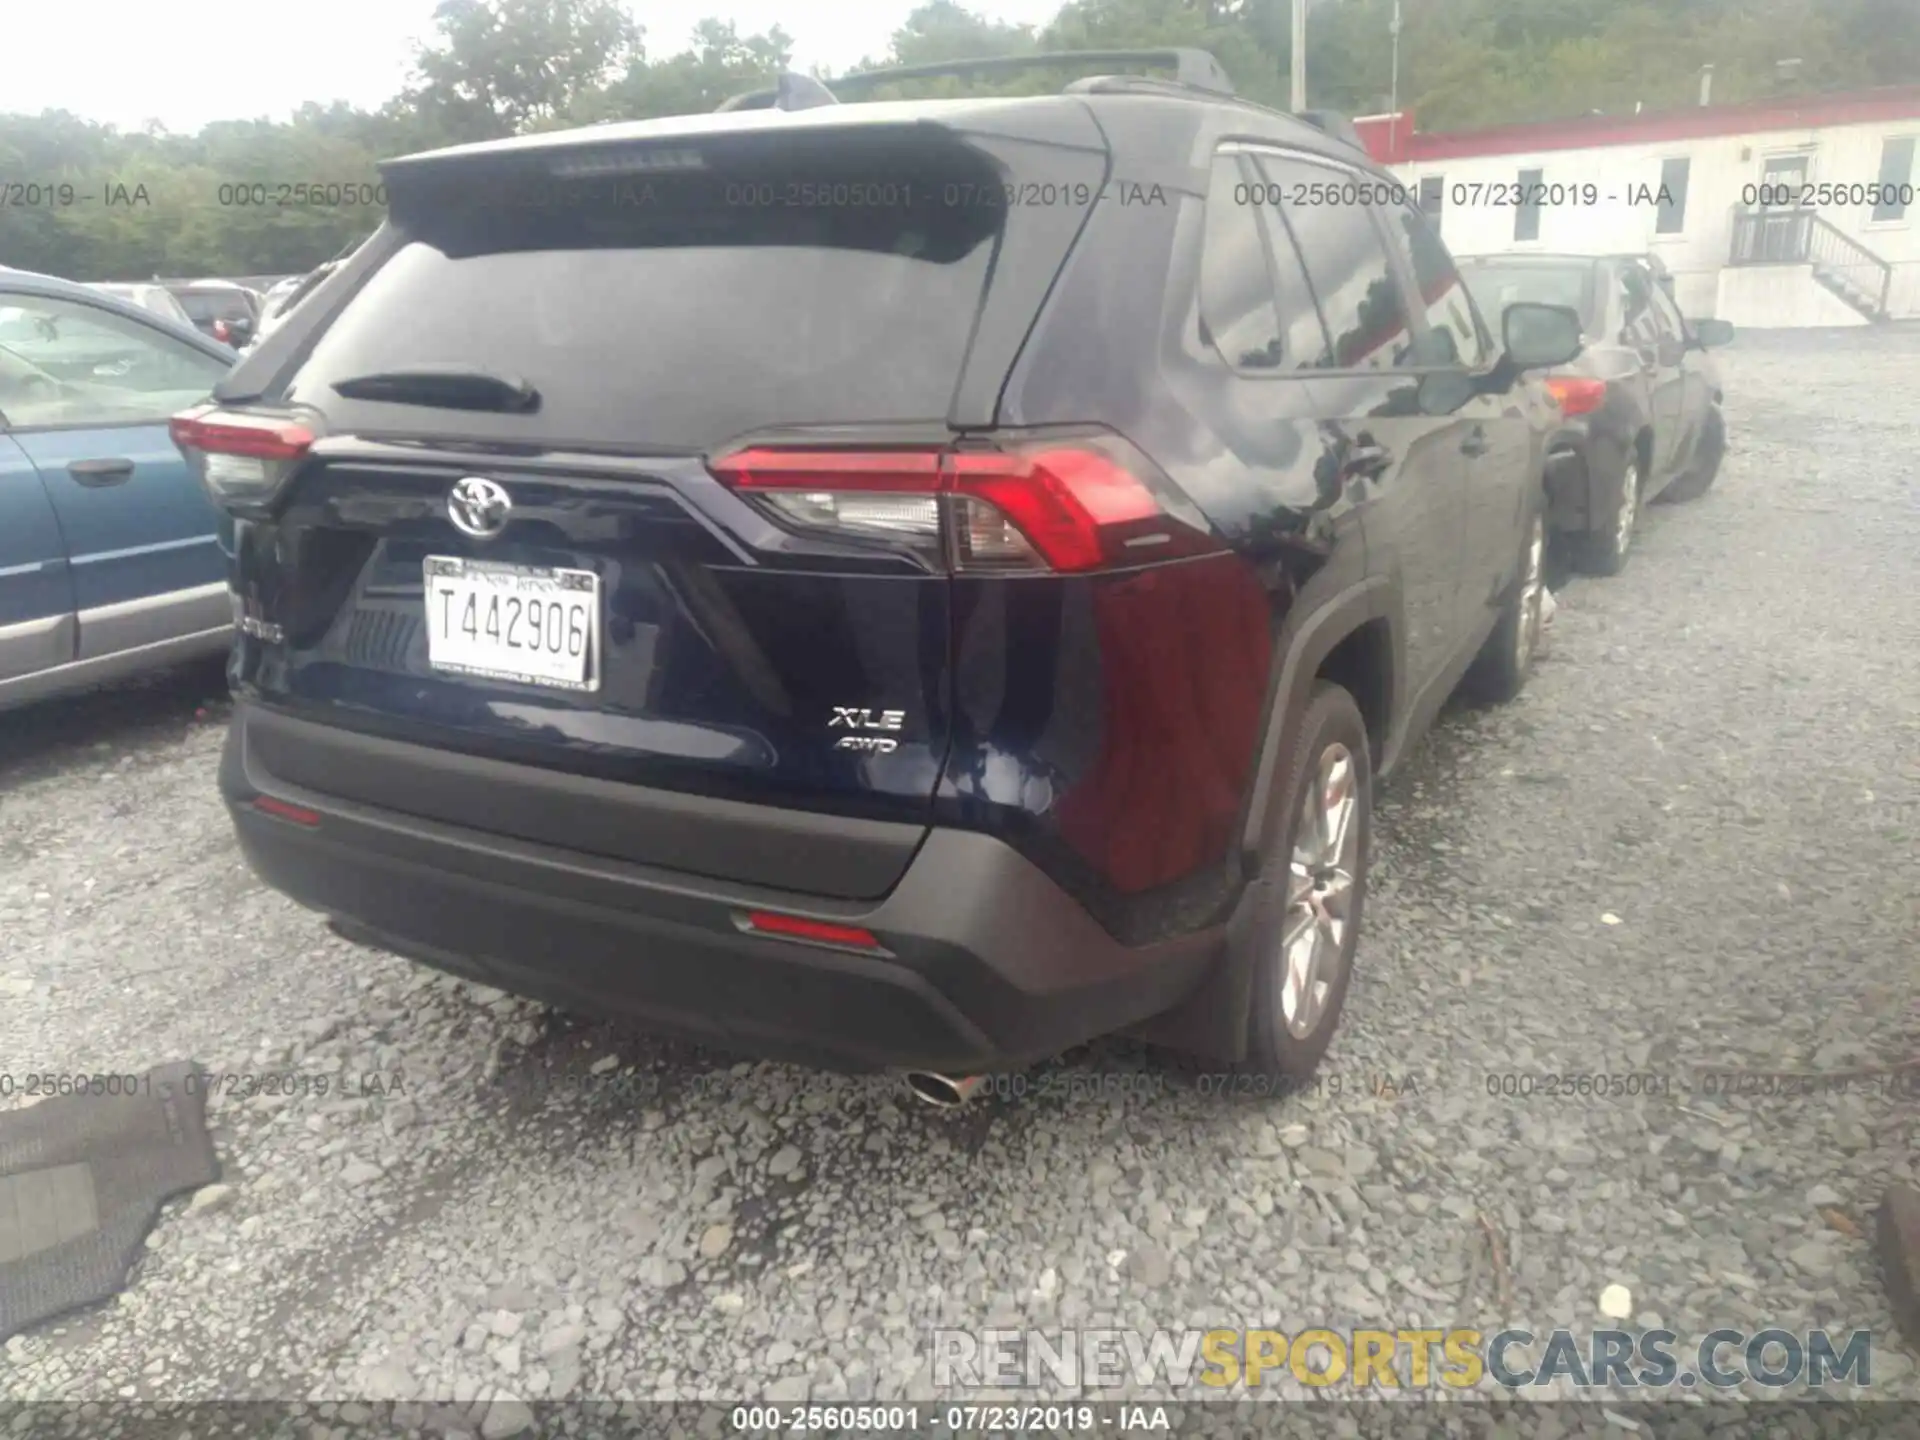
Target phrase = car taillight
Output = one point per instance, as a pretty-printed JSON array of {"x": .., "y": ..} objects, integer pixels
[
  {"x": 1577, "y": 394},
  {"x": 241, "y": 459},
  {"x": 1065, "y": 504}
]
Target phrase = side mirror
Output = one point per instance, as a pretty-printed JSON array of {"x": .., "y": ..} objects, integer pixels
[
  {"x": 1540, "y": 337},
  {"x": 1711, "y": 333}
]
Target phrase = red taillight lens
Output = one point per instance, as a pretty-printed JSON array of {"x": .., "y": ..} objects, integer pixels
[
  {"x": 240, "y": 458},
  {"x": 820, "y": 932},
  {"x": 281, "y": 810},
  {"x": 1076, "y": 507},
  {"x": 892, "y": 470},
  {"x": 259, "y": 436},
  {"x": 1064, "y": 505},
  {"x": 1576, "y": 394}
]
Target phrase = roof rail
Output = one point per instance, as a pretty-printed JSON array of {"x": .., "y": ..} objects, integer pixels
[
  {"x": 1331, "y": 123},
  {"x": 1136, "y": 85},
  {"x": 1197, "y": 68},
  {"x": 790, "y": 91},
  {"x": 1194, "y": 69}
]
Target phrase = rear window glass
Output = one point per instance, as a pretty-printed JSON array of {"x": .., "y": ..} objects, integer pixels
[
  {"x": 678, "y": 311},
  {"x": 1494, "y": 287}
]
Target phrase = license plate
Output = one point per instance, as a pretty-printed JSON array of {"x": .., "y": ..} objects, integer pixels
[{"x": 533, "y": 624}]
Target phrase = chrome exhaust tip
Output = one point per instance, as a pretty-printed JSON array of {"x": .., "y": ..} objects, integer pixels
[{"x": 945, "y": 1092}]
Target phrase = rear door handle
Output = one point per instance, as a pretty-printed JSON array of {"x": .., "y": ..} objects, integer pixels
[
  {"x": 1475, "y": 444},
  {"x": 97, "y": 473}
]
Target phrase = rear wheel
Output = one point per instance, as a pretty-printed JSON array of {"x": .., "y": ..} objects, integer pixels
[
  {"x": 1317, "y": 876},
  {"x": 1604, "y": 550},
  {"x": 1500, "y": 672},
  {"x": 1706, "y": 464}
]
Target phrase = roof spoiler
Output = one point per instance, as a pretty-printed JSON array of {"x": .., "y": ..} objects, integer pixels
[{"x": 1194, "y": 69}]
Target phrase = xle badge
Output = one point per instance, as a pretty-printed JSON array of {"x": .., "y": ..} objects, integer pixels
[{"x": 852, "y": 717}]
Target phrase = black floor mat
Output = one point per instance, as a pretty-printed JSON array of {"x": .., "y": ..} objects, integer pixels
[{"x": 82, "y": 1178}]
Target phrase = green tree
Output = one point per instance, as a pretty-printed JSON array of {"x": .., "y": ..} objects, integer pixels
[
  {"x": 720, "y": 65},
  {"x": 496, "y": 67},
  {"x": 501, "y": 66}
]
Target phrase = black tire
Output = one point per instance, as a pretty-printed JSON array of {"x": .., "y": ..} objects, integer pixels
[
  {"x": 1706, "y": 464},
  {"x": 1501, "y": 669},
  {"x": 1331, "y": 729},
  {"x": 1604, "y": 550}
]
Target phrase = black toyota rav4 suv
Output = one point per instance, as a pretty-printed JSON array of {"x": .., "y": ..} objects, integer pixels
[{"x": 897, "y": 585}]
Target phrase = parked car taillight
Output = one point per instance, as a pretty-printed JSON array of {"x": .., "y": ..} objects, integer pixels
[
  {"x": 1078, "y": 503},
  {"x": 1577, "y": 394},
  {"x": 241, "y": 459}
]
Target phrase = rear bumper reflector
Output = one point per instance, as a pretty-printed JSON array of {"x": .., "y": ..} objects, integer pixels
[
  {"x": 281, "y": 810},
  {"x": 817, "y": 932}
]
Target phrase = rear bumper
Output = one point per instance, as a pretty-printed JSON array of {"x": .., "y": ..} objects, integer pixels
[{"x": 987, "y": 962}]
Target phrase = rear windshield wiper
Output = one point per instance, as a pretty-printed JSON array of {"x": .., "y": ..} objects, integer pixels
[{"x": 447, "y": 387}]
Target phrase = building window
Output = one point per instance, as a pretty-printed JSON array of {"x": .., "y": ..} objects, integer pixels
[
  {"x": 1433, "y": 198},
  {"x": 1672, "y": 216},
  {"x": 1782, "y": 179},
  {"x": 1526, "y": 215},
  {"x": 1896, "y": 179}
]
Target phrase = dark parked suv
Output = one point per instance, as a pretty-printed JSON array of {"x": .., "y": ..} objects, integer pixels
[
  {"x": 1641, "y": 405},
  {"x": 908, "y": 585}
]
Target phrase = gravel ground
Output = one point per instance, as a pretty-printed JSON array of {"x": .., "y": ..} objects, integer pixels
[{"x": 1690, "y": 843}]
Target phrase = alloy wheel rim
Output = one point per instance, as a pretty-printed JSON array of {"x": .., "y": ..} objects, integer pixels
[
  {"x": 1629, "y": 510},
  {"x": 1527, "y": 633},
  {"x": 1321, "y": 881}
]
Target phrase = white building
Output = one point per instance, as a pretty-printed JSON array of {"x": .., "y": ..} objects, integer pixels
[{"x": 1780, "y": 213}]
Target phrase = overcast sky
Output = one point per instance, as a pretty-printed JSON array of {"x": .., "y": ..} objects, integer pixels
[{"x": 130, "y": 61}]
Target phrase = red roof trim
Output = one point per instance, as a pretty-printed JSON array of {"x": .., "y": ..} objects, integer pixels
[{"x": 1704, "y": 122}]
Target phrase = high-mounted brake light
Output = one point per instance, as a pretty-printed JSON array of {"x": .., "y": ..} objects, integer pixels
[
  {"x": 1577, "y": 394},
  {"x": 1068, "y": 505},
  {"x": 240, "y": 458}
]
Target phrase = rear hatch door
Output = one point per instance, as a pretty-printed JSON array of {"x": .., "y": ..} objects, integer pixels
[{"x": 528, "y": 558}]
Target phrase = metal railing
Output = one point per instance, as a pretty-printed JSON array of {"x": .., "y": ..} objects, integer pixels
[{"x": 1805, "y": 237}]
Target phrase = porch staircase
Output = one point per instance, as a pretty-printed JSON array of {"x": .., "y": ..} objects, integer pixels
[
  {"x": 1841, "y": 265},
  {"x": 1868, "y": 300}
]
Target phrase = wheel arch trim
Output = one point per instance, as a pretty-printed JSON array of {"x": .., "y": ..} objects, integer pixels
[{"x": 1303, "y": 647}]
